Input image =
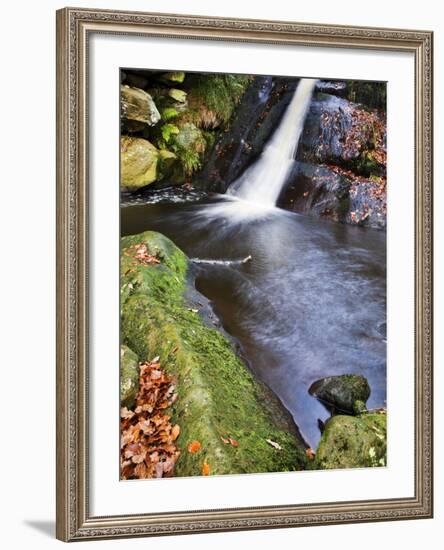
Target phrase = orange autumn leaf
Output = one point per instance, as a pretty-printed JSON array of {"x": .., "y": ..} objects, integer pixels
[
  {"x": 205, "y": 469},
  {"x": 194, "y": 447},
  {"x": 175, "y": 432},
  {"x": 234, "y": 442}
]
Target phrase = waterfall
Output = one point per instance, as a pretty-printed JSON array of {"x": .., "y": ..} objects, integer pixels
[{"x": 263, "y": 181}]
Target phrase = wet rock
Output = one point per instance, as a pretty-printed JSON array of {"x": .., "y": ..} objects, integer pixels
[
  {"x": 138, "y": 107},
  {"x": 345, "y": 393},
  {"x": 325, "y": 192},
  {"x": 341, "y": 132},
  {"x": 353, "y": 442},
  {"x": 257, "y": 115},
  {"x": 138, "y": 163},
  {"x": 129, "y": 377}
]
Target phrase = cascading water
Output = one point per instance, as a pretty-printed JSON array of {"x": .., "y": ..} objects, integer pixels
[{"x": 263, "y": 181}]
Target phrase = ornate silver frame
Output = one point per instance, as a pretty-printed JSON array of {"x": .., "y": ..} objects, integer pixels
[{"x": 74, "y": 521}]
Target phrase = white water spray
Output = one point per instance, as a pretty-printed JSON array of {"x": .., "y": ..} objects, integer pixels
[{"x": 262, "y": 182}]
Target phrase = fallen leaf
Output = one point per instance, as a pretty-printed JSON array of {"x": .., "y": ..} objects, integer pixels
[
  {"x": 125, "y": 413},
  {"x": 194, "y": 447},
  {"x": 175, "y": 432},
  {"x": 225, "y": 440},
  {"x": 234, "y": 442},
  {"x": 205, "y": 469},
  {"x": 274, "y": 444}
]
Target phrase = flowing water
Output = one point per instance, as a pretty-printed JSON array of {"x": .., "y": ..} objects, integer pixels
[
  {"x": 310, "y": 303},
  {"x": 263, "y": 181}
]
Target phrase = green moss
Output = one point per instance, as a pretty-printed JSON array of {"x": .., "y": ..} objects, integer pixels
[
  {"x": 169, "y": 113},
  {"x": 219, "y": 94},
  {"x": 169, "y": 130},
  {"x": 218, "y": 395},
  {"x": 176, "y": 76},
  {"x": 353, "y": 442},
  {"x": 138, "y": 163},
  {"x": 129, "y": 377},
  {"x": 178, "y": 95}
]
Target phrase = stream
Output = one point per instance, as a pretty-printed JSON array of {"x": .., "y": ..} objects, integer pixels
[{"x": 309, "y": 304}]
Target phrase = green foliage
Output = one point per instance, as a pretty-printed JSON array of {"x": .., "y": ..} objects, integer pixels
[
  {"x": 169, "y": 130},
  {"x": 169, "y": 113},
  {"x": 189, "y": 160},
  {"x": 218, "y": 93},
  {"x": 370, "y": 94}
]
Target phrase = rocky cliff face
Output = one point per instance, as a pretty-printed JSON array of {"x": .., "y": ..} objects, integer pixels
[{"x": 341, "y": 169}]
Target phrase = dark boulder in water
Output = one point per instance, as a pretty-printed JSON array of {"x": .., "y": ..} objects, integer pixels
[{"x": 346, "y": 393}]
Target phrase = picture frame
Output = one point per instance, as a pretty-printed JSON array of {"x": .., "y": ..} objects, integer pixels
[{"x": 75, "y": 27}]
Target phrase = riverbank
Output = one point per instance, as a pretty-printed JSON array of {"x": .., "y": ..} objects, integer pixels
[{"x": 238, "y": 423}]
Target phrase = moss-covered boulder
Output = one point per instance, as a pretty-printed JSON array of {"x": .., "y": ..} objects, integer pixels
[
  {"x": 178, "y": 95},
  {"x": 175, "y": 76},
  {"x": 353, "y": 442},
  {"x": 138, "y": 107},
  {"x": 138, "y": 163},
  {"x": 346, "y": 393},
  {"x": 129, "y": 377},
  {"x": 220, "y": 404}
]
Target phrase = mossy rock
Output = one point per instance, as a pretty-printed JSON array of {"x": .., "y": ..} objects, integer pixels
[
  {"x": 218, "y": 397},
  {"x": 353, "y": 442},
  {"x": 341, "y": 393},
  {"x": 190, "y": 137},
  {"x": 175, "y": 76},
  {"x": 129, "y": 377},
  {"x": 178, "y": 95},
  {"x": 166, "y": 164},
  {"x": 137, "y": 105},
  {"x": 138, "y": 163}
]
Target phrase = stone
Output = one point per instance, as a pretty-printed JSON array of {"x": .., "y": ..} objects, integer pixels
[
  {"x": 137, "y": 105},
  {"x": 138, "y": 163},
  {"x": 188, "y": 136},
  {"x": 129, "y": 377},
  {"x": 178, "y": 95},
  {"x": 175, "y": 76},
  {"x": 353, "y": 442},
  {"x": 341, "y": 393}
]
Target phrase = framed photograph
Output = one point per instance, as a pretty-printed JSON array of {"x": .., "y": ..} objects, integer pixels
[{"x": 244, "y": 276}]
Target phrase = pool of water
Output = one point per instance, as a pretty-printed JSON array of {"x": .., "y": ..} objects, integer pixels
[{"x": 310, "y": 303}]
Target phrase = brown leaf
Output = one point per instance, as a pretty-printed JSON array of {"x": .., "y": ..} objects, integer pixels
[
  {"x": 125, "y": 413},
  {"x": 175, "y": 432}
]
